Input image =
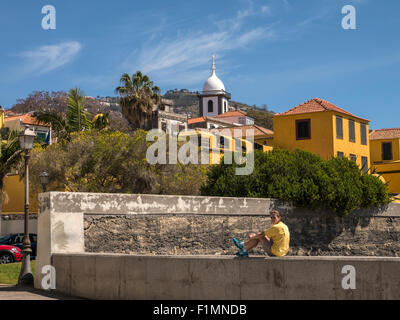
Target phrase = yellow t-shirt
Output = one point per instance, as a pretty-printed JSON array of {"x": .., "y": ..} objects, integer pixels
[{"x": 281, "y": 237}]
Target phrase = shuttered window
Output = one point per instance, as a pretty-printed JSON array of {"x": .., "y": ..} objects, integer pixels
[
  {"x": 363, "y": 134},
  {"x": 352, "y": 131},
  {"x": 340, "y": 154},
  {"x": 339, "y": 127},
  {"x": 303, "y": 129},
  {"x": 353, "y": 157},
  {"x": 387, "y": 151},
  {"x": 364, "y": 164}
]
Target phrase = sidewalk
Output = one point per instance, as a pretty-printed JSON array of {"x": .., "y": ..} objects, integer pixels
[{"x": 8, "y": 292}]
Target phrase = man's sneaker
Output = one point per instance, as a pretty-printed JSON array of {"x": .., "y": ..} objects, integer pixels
[
  {"x": 238, "y": 244},
  {"x": 242, "y": 254}
]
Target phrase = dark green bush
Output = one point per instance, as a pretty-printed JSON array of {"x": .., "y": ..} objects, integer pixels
[{"x": 301, "y": 177}]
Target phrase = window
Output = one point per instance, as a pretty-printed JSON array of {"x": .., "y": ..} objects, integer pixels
[
  {"x": 164, "y": 126},
  {"x": 353, "y": 157},
  {"x": 226, "y": 108},
  {"x": 210, "y": 106},
  {"x": 352, "y": 132},
  {"x": 303, "y": 129},
  {"x": 222, "y": 141},
  {"x": 258, "y": 146},
  {"x": 339, "y": 127},
  {"x": 340, "y": 154},
  {"x": 364, "y": 164},
  {"x": 242, "y": 120},
  {"x": 363, "y": 134},
  {"x": 41, "y": 136},
  {"x": 387, "y": 151}
]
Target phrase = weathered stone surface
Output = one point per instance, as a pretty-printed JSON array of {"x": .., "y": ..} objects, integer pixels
[{"x": 196, "y": 234}]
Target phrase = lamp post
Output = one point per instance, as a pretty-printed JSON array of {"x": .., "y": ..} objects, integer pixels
[
  {"x": 44, "y": 180},
  {"x": 26, "y": 139}
]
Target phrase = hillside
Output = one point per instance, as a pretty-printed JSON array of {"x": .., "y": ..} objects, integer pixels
[{"x": 186, "y": 102}]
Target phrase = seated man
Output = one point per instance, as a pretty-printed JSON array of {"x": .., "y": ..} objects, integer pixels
[{"x": 275, "y": 240}]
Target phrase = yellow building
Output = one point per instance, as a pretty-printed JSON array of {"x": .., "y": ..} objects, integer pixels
[
  {"x": 321, "y": 127},
  {"x": 226, "y": 139},
  {"x": 385, "y": 156},
  {"x": 1, "y": 117},
  {"x": 14, "y": 196}
]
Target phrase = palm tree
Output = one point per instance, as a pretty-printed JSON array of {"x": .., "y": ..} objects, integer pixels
[
  {"x": 10, "y": 155},
  {"x": 101, "y": 121},
  {"x": 75, "y": 120},
  {"x": 138, "y": 96},
  {"x": 76, "y": 115},
  {"x": 57, "y": 121}
]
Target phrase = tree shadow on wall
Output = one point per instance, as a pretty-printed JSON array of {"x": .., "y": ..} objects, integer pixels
[{"x": 316, "y": 230}]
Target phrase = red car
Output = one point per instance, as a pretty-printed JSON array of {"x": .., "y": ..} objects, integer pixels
[{"x": 10, "y": 254}]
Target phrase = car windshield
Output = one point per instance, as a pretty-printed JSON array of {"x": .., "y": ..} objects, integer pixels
[{"x": 4, "y": 238}]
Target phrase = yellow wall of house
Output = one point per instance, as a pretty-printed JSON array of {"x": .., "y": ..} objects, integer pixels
[
  {"x": 391, "y": 173},
  {"x": 216, "y": 153},
  {"x": 267, "y": 148},
  {"x": 14, "y": 196},
  {"x": 376, "y": 150},
  {"x": 323, "y": 135},
  {"x": 321, "y": 141},
  {"x": 1, "y": 119},
  {"x": 345, "y": 145}
]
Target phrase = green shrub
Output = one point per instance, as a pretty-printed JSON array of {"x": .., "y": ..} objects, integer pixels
[{"x": 301, "y": 177}]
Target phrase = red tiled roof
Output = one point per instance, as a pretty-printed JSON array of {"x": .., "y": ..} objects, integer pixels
[
  {"x": 236, "y": 113},
  {"x": 258, "y": 131},
  {"x": 26, "y": 119},
  {"x": 379, "y": 134},
  {"x": 196, "y": 120},
  {"x": 317, "y": 105}
]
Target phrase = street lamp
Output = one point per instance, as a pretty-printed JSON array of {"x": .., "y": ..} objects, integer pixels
[
  {"x": 26, "y": 139},
  {"x": 44, "y": 180}
]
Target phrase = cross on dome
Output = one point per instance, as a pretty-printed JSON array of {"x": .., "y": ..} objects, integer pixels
[
  {"x": 213, "y": 65},
  {"x": 213, "y": 83}
]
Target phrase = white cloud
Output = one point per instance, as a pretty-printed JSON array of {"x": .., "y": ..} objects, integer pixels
[
  {"x": 186, "y": 58},
  {"x": 50, "y": 57}
]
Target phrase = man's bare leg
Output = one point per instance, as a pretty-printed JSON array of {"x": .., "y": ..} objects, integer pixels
[{"x": 253, "y": 241}]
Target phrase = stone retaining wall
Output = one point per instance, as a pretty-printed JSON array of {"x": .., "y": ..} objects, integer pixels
[
  {"x": 176, "y": 225},
  {"x": 204, "y": 234}
]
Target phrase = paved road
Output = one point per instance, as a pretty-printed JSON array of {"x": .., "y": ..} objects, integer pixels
[{"x": 8, "y": 292}]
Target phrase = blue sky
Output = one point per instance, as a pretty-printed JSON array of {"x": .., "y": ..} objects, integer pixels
[{"x": 274, "y": 52}]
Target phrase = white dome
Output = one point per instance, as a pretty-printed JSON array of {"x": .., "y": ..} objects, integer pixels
[{"x": 213, "y": 83}]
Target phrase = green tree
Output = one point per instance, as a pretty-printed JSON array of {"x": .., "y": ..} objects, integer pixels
[
  {"x": 75, "y": 120},
  {"x": 138, "y": 96},
  {"x": 101, "y": 121},
  {"x": 10, "y": 155},
  {"x": 111, "y": 162},
  {"x": 302, "y": 178}
]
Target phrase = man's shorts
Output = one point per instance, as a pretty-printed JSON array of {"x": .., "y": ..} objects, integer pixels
[{"x": 267, "y": 245}]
